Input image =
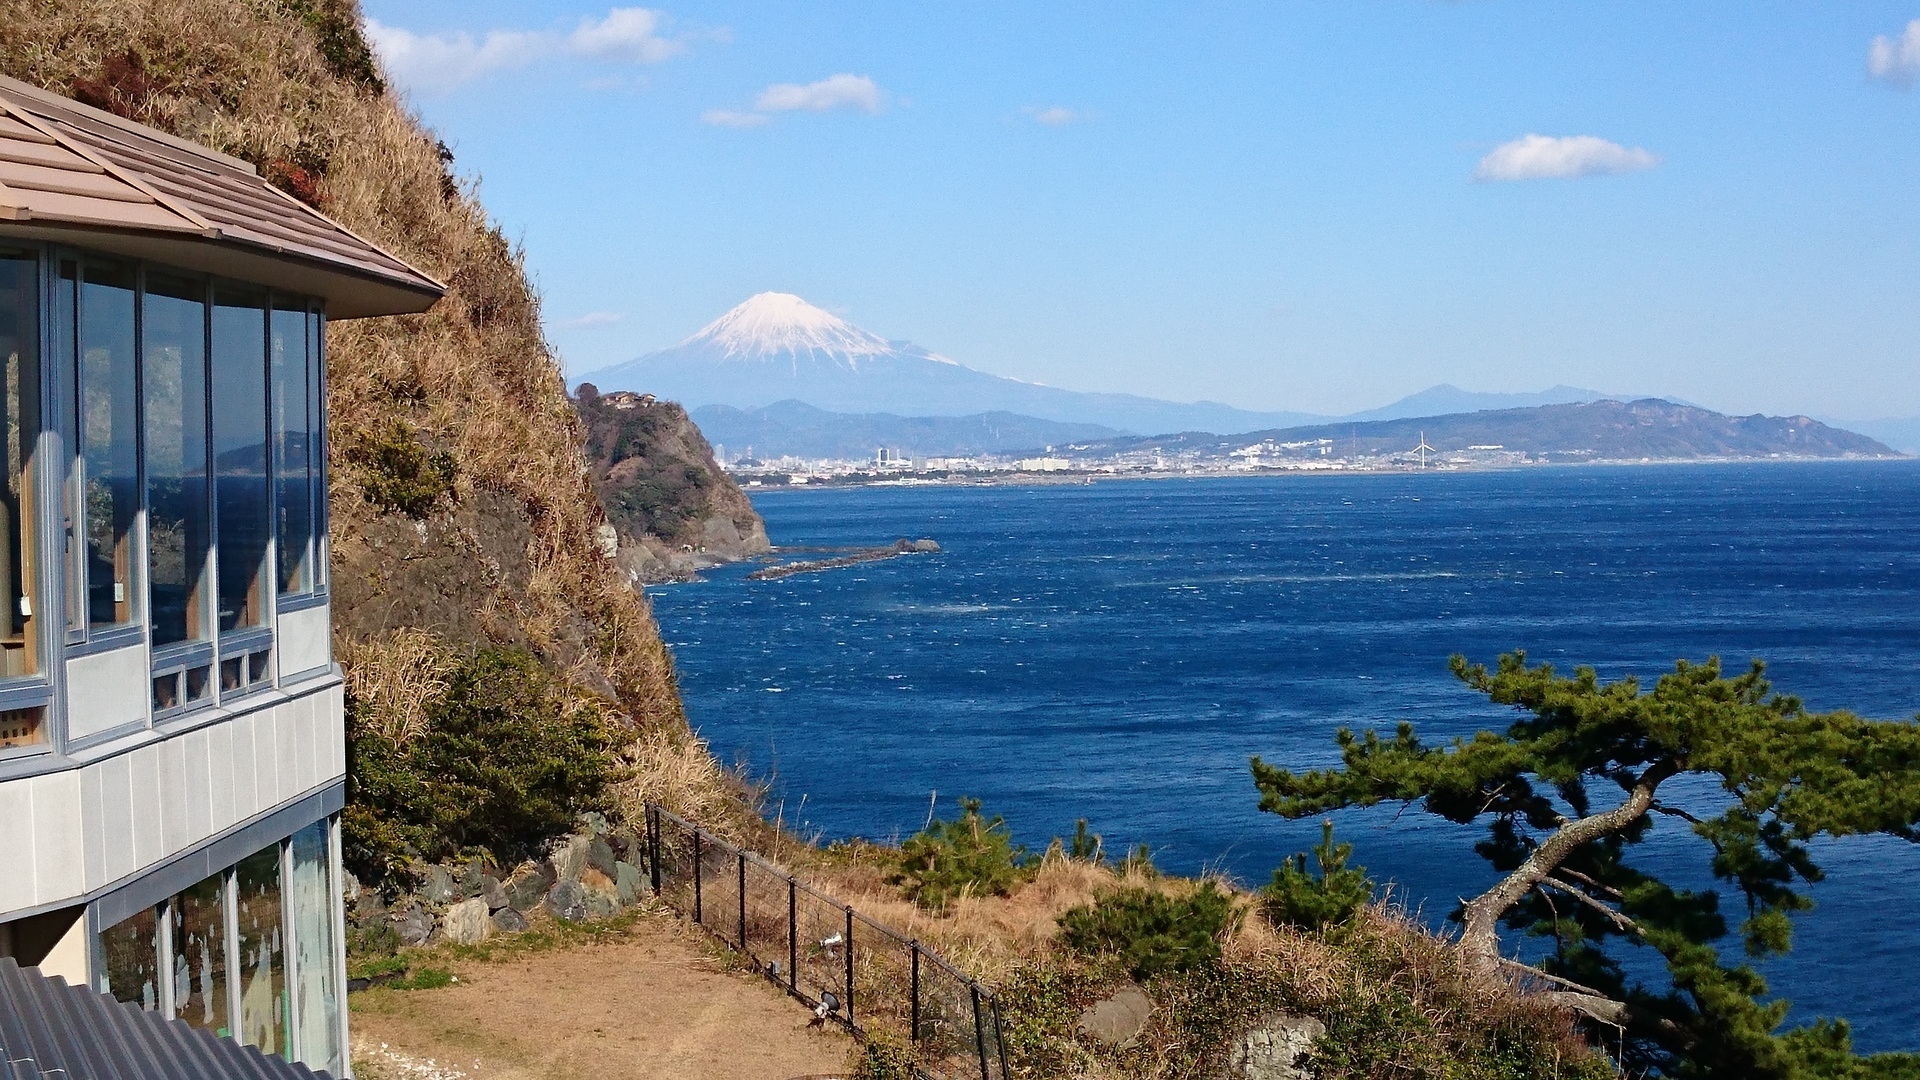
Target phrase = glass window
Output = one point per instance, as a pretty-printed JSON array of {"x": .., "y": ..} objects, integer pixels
[
  {"x": 317, "y": 437},
  {"x": 316, "y": 981},
  {"x": 132, "y": 956},
  {"x": 109, "y": 445},
  {"x": 199, "y": 927},
  {"x": 292, "y": 425},
  {"x": 240, "y": 456},
  {"x": 263, "y": 955},
  {"x": 20, "y": 353},
  {"x": 179, "y": 515}
]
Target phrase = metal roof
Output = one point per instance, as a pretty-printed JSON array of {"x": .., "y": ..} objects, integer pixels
[
  {"x": 76, "y": 174},
  {"x": 60, "y": 1032}
]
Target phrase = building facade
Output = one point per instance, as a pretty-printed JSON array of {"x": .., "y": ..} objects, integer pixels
[{"x": 172, "y": 739}]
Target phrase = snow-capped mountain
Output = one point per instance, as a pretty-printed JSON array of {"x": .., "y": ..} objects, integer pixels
[{"x": 777, "y": 347}]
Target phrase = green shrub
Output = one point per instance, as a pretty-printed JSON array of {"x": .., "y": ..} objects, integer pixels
[
  {"x": 397, "y": 472},
  {"x": 949, "y": 859},
  {"x": 882, "y": 1056},
  {"x": 1151, "y": 932},
  {"x": 504, "y": 762},
  {"x": 1297, "y": 897}
]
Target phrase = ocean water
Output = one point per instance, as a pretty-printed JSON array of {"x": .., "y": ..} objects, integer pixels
[{"x": 1119, "y": 651}]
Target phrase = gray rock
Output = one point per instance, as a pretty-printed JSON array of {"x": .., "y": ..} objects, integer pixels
[
  {"x": 628, "y": 884},
  {"x": 467, "y": 923},
  {"x": 595, "y": 821},
  {"x": 529, "y": 885},
  {"x": 601, "y": 903},
  {"x": 927, "y": 547},
  {"x": 472, "y": 880},
  {"x": 369, "y": 905},
  {"x": 493, "y": 894},
  {"x": 600, "y": 856},
  {"x": 509, "y": 921},
  {"x": 414, "y": 925},
  {"x": 350, "y": 888},
  {"x": 438, "y": 887},
  {"x": 570, "y": 857},
  {"x": 1276, "y": 1048},
  {"x": 1118, "y": 1019},
  {"x": 568, "y": 901}
]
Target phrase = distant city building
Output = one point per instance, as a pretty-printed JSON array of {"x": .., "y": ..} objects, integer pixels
[{"x": 1043, "y": 464}]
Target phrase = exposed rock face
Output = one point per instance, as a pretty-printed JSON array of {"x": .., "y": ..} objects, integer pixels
[
  {"x": 1118, "y": 1019},
  {"x": 673, "y": 509},
  {"x": 467, "y": 923},
  {"x": 414, "y": 925},
  {"x": 1276, "y": 1048}
]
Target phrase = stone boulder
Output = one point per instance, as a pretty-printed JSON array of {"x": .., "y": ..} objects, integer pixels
[
  {"x": 600, "y": 857},
  {"x": 1117, "y": 1019},
  {"x": 529, "y": 884},
  {"x": 493, "y": 894},
  {"x": 437, "y": 886},
  {"x": 509, "y": 921},
  {"x": 414, "y": 925},
  {"x": 466, "y": 922},
  {"x": 924, "y": 547},
  {"x": 567, "y": 900},
  {"x": 628, "y": 883},
  {"x": 569, "y": 857},
  {"x": 1276, "y": 1048}
]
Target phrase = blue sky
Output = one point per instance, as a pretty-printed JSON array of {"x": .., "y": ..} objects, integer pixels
[{"x": 1278, "y": 205}]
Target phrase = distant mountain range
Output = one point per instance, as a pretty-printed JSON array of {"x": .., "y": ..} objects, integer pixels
[
  {"x": 798, "y": 429},
  {"x": 787, "y": 378},
  {"x": 1598, "y": 430}
]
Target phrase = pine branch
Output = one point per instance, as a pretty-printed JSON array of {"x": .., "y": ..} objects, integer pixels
[{"x": 1625, "y": 924}]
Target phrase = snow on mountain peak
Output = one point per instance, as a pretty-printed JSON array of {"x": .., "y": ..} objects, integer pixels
[{"x": 774, "y": 322}]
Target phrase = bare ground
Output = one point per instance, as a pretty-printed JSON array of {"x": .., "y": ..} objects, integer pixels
[{"x": 652, "y": 1002}]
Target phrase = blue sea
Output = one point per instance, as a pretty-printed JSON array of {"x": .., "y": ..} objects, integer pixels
[{"x": 1119, "y": 651}]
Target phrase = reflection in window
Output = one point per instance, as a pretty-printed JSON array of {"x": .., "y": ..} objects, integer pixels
[
  {"x": 317, "y": 980},
  {"x": 263, "y": 956},
  {"x": 199, "y": 926},
  {"x": 131, "y": 948},
  {"x": 240, "y": 455},
  {"x": 20, "y": 353},
  {"x": 317, "y": 438},
  {"x": 179, "y": 517},
  {"x": 292, "y": 425},
  {"x": 109, "y": 446}
]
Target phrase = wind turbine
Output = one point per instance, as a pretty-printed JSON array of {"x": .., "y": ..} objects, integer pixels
[{"x": 1423, "y": 450}]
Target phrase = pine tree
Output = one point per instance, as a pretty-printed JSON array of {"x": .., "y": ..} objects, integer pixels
[{"x": 1299, "y": 897}]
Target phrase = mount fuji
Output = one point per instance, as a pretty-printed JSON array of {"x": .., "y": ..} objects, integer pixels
[{"x": 776, "y": 347}]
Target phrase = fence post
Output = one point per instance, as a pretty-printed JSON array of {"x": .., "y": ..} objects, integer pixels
[
  {"x": 979, "y": 1032},
  {"x": 793, "y": 936},
  {"x": 743, "y": 901},
  {"x": 850, "y": 1025},
  {"x": 653, "y": 844},
  {"x": 697, "y": 921},
  {"x": 999, "y": 1037},
  {"x": 915, "y": 1029}
]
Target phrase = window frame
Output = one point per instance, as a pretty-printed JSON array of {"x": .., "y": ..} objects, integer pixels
[
  {"x": 84, "y": 638},
  {"x": 41, "y": 581}
]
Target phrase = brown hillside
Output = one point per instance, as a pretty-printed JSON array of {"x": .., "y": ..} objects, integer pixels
[
  {"x": 461, "y": 503},
  {"x": 673, "y": 509}
]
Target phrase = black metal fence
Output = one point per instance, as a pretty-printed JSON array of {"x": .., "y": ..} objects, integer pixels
[{"x": 861, "y": 974}]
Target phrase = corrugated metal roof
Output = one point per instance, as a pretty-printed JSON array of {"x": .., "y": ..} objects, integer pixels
[
  {"x": 49, "y": 1029},
  {"x": 66, "y": 164}
]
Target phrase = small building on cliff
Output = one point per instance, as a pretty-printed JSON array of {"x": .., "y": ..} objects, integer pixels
[{"x": 172, "y": 758}]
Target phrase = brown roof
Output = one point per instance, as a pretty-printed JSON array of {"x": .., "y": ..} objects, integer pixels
[{"x": 74, "y": 174}]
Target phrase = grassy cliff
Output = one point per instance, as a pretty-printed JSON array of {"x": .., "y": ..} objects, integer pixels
[{"x": 464, "y": 513}]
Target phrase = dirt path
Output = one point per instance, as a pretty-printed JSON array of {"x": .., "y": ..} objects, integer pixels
[{"x": 653, "y": 1003}]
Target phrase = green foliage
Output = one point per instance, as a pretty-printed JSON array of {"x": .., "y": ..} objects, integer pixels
[
  {"x": 1085, "y": 845},
  {"x": 648, "y": 482},
  {"x": 336, "y": 30},
  {"x": 882, "y": 1056},
  {"x": 1298, "y": 897},
  {"x": 397, "y": 472},
  {"x": 1787, "y": 776},
  {"x": 502, "y": 764},
  {"x": 1152, "y": 933},
  {"x": 970, "y": 856}
]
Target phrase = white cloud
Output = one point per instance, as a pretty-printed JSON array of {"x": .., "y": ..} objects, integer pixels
[
  {"x": 1540, "y": 157},
  {"x": 832, "y": 92},
  {"x": 1056, "y": 115},
  {"x": 1896, "y": 61},
  {"x": 438, "y": 63},
  {"x": 733, "y": 119},
  {"x": 595, "y": 318}
]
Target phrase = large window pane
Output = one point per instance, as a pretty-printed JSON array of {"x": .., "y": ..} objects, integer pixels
[
  {"x": 199, "y": 928},
  {"x": 316, "y": 980},
  {"x": 240, "y": 456},
  {"x": 109, "y": 445},
  {"x": 179, "y": 513},
  {"x": 263, "y": 953},
  {"x": 20, "y": 353},
  {"x": 133, "y": 959},
  {"x": 317, "y": 438},
  {"x": 291, "y": 438}
]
